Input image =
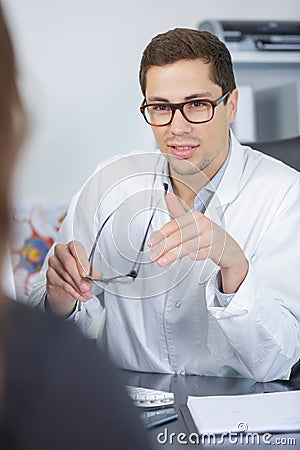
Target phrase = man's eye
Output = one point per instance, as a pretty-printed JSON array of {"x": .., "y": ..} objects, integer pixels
[
  {"x": 198, "y": 104},
  {"x": 161, "y": 108}
]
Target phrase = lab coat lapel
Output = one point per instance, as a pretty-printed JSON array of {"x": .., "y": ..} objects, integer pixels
[{"x": 229, "y": 186}]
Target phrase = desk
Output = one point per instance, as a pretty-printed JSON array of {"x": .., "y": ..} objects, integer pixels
[{"x": 182, "y": 386}]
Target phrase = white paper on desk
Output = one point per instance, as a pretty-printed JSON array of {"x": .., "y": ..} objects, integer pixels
[{"x": 276, "y": 411}]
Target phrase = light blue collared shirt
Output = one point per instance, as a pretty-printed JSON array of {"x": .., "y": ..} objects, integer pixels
[{"x": 204, "y": 196}]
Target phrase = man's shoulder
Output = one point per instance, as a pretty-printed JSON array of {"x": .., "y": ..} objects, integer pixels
[
  {"x": 138, "y": 159},
  {"x": 272, "y": 170},
  {"x": 116, "y": 176}
]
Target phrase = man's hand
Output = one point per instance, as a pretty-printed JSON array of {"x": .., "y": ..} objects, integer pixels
[
  {"x": 65, "y": 285},
  {"x": 194, "y": 235}
]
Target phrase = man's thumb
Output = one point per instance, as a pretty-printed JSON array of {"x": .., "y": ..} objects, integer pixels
[{"x": 174, "y": 206}]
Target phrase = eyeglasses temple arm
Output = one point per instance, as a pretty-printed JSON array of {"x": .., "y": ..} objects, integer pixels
[
  {"x": 92, "y": 252},
  {"x": 134, "y": 272},
  {"x": 137, "y": 262}
]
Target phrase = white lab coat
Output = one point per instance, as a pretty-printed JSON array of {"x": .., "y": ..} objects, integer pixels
[{"x": 170, "y": 320}]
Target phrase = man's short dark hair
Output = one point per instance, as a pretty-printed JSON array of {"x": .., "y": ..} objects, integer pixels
[{"x": 184, "y": 43}]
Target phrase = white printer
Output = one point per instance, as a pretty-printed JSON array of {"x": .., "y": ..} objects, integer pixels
[
  {"x": 266, "y": 60},
  {"x": 256, "y": 35}
]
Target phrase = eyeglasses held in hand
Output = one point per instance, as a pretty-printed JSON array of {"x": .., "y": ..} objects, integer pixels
[
  {"x": 194, "y": 111},
  {"x": 133, "y": 273}
]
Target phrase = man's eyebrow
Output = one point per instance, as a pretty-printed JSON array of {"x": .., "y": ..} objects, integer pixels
[
  {"x": 157, "y": 99},
  {"x": 189, "y": 97},
  {"x": 199, "y": 95}
]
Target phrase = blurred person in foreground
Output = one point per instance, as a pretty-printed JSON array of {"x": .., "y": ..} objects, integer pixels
[{"x": 57, "y": 392}]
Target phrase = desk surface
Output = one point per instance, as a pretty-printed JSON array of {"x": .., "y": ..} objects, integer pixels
[{"x": 183, "y": 386}]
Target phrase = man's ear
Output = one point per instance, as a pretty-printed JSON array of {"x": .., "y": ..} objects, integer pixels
[{"x": 232, "y": 105}]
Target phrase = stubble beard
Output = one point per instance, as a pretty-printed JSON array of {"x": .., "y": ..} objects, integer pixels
[{"x": 184, "y": 167}]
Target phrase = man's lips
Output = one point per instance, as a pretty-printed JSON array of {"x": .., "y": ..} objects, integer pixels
[{"x": 183, "y": 151}]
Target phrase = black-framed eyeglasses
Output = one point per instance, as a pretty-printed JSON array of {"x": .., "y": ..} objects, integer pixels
[
  {"x": 194, "y": 111},
  {"x": 133, "y": 273}
]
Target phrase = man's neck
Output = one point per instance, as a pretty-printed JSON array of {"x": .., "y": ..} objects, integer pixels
[{"x": 186, "y": 187}]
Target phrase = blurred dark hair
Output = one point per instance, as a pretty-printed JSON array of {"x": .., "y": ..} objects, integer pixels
[
  {"x": 12, "y": 128},
  {"x": 185, "y": 43}
]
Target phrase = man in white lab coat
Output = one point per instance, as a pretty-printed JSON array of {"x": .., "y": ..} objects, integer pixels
[{"x": 204, "y": 279}]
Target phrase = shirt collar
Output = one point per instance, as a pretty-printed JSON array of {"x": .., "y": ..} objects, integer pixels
[{"x": 216, "y": 179}]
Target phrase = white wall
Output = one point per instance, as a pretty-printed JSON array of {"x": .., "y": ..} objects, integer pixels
[{"x": 79, "y": 68}]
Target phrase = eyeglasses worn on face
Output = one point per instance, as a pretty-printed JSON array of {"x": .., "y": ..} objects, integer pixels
[{"x": 194, "y": 111}]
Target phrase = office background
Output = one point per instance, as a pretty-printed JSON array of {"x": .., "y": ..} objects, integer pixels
[{"x": 79, "y": 73}]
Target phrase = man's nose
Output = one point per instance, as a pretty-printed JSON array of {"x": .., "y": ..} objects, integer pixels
[{"x": 179, "y": 124}]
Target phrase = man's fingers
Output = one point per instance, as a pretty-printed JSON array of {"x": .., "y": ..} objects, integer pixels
[
  {"x": 169, "y": 228},
  {"x": 79, "y": 253},
  {"x": 175, "y": 240},
  {"x": 184, "y": 227},
  {"x": 83, "y": 265},
  {"x": 190, "y": 248},
  {"x": 176, "y": 210},
  {"x": 177, "y": 253},
  {"x": 189, "y": 240},
  {"x": 56, "y": 282},
  {"x": 67, "y": 266},
  {"x": 67, "y": 262},
  {"x": 57, "y": 266}
]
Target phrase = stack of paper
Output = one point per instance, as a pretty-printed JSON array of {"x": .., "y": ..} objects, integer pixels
[{"x": 279, "y": 411}]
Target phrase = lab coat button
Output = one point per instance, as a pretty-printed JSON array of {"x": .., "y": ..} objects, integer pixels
[{"x": 177, "y": 305}]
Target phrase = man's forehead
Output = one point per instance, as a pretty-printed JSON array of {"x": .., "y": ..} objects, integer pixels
[
  {"x": 185, "y": 79},
  {"x": 186, "y": 64}
]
